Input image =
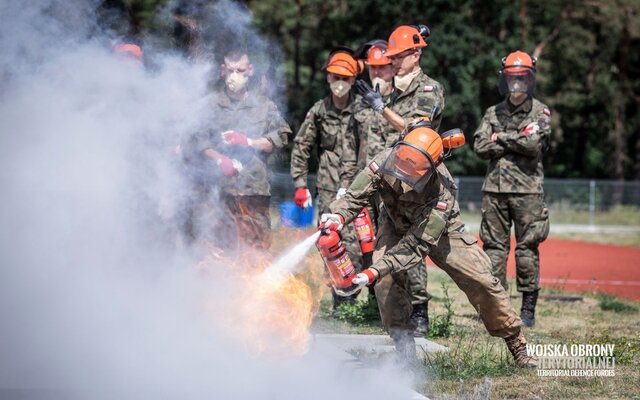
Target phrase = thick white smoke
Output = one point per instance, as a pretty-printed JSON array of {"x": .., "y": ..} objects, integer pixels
[{"x": 95, "y": 302}]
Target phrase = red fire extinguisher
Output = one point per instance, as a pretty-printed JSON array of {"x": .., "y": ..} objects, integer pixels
[
  {"x": 338, "y": 263},
  {"x": 366, "y": 236}
]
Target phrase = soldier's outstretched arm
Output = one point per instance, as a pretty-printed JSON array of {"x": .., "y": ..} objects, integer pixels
[
  {"x": 485, "y": 144},
  {"x": 301, "y": 153},
  {"x": 394, "y": 119}
]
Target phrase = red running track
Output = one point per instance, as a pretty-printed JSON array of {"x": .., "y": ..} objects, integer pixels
[{"x": 587, "y": 267}]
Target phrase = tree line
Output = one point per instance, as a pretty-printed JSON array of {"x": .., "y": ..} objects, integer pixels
[{"x": 588, "y": 66}]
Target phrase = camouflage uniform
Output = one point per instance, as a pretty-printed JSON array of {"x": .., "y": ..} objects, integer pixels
[
  {"x": 326, "y": 127},
  {"x": 246, "y": 195},
  {"x": 419, "y": 225},
  {"x": 418, "y": 101},
  {"x": 513, "y": 187},
  {"x": 376, "y": 134}
]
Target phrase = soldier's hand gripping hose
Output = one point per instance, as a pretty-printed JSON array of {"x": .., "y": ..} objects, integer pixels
[{"x": 372, "y": 97}]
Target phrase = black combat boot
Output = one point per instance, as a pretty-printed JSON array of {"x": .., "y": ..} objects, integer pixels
[
  {"x": 517, "y": 345},
  {"x": 528, "y": 310},
  {"x": 420, "y": 320}
]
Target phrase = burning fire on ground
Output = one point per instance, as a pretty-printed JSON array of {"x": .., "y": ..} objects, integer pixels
[{"x": 272, "y": 310}]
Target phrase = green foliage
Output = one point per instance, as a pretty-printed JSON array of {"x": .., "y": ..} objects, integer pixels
[
  {"x": 611, "y": 303},
  {"x": 359, "y": 313},
  {"x": 441, "y": 325},
  {"x": 626, "y": 350},
  {"x": 587, "y": 70}
]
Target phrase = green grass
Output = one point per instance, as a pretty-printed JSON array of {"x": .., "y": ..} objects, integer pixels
[
  {"x": 478, "y": 365},
  {"x": 617, "y": 215},
  {"x": 611, "y": 303}
]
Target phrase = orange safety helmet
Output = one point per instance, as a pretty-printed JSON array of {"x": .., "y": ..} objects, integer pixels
[
  {"x": 407, "y": 37},
  {"x": 518, "y": 74},
  {"x": 130, "y": 50},
  {"x": 518, "y": 63},
  {"x": 342, "y": 62},
  {"x": 376, "y": 54},
  {"x": 414, "y": 159}
]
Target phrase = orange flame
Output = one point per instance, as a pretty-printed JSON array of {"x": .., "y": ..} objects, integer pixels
[{"x": 272, "y": 312}]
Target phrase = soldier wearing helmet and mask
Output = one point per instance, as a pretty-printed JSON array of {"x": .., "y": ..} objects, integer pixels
[
  {"x": 513, "y": 137},
  {"x": 326, "y": 127},
  {"x": 376, "y": 133},
  {"x": 415, "y": 95},
  {"x": 421, "y": 218}
]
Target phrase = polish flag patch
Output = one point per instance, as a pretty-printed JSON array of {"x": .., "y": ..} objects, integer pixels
[
  {"x": 442, "y": 205},
  {"x": 428, "y": 88},
  {"x": 374, "y": 167},
  {"x": 546, "y": 112}
]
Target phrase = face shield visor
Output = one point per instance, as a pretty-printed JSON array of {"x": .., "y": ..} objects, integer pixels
[
  {"x": 410, "y": 165},
  {"x": 517, "y": 80}
]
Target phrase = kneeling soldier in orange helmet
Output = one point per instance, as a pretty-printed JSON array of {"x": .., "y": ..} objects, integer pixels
[{"x": 421, "y": 216}]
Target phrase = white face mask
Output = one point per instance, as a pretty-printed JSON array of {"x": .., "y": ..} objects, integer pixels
[
  {"x": 403, "y": 82},
  {"x": 236, "y": 82},
  {"x": 381, "y": 84},
  {"x": 340, "y": 88}
]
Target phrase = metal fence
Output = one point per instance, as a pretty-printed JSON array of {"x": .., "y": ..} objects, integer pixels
[{"x": 575, "y": 201}]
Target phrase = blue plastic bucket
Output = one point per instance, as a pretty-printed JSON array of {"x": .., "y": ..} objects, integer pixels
[{"x": 293, "y": 216}]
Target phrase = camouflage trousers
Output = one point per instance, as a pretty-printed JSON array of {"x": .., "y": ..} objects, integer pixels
[
  {"x": 530, "y": 218},
  {"x": 416, "y": 275},
  {"x": 462, "y": 259},
  {"x": 348, "y": 233}
]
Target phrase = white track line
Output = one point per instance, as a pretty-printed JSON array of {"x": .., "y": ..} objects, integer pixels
[{"x": 590, "y": 282}]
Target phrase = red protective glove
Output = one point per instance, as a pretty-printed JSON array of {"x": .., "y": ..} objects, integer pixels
[
  {"x": 302, "y": 197},
  {"x": 228, "y": 166},
  {"x": 237, "y": 138}
]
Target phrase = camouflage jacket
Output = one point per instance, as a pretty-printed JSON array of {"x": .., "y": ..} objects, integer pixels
[
  {"x": 515, "y": 157},
  {"x": 376, "y": 134},
  {"x": 420, "y": 218},
  {"x": 256, "y": 117},
  {"x": 419, "y": 100},
  {"x": 326, "y": 127}
]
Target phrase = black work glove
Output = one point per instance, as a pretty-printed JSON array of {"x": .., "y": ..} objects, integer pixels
[{"x": 372, "y": 97}]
